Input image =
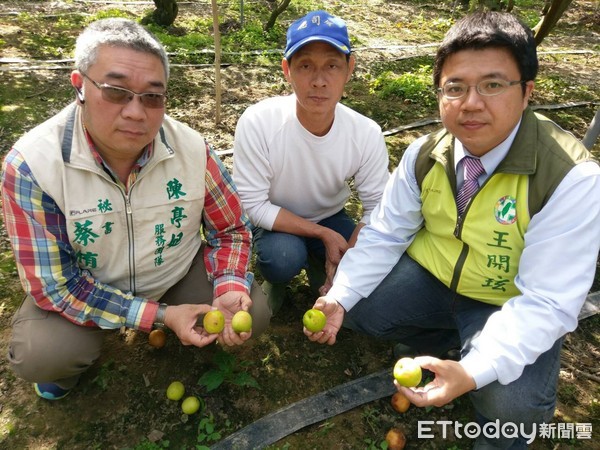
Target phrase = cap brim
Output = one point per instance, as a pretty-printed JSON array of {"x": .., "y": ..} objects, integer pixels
[{"x": 337, "y": 44}]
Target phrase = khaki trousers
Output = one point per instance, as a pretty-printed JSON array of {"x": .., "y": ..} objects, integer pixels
[{"x": 46, "y": 347}]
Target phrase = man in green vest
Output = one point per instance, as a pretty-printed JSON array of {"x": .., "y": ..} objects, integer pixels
[{"x": 488, "y": 232}]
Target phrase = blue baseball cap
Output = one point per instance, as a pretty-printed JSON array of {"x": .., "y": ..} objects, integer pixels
[{"x": 314, "y": 27}]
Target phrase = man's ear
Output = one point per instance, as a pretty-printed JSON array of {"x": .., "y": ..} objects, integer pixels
[
  {"x": 351, "y": 64},
  {"x": 529, "y": 85},
  {"x": 77, "y": 83},
  {"x": 285, "y": 66}
]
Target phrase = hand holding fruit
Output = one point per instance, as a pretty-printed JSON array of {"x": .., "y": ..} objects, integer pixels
[
  {"x": 241, "y": 322},
  {"x": 314, "y": 320},
  {"x": 451, "y": 381},
  {"x": 182, "y": 319},
  {"x": 213, "y": 321},
  {"x": 229, "y": 304},
  {"x": 407, "y": 372},
  {"x": 334, "y": 313}
]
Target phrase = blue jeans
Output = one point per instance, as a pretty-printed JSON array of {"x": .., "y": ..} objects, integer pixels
[
  {"x": 411, "y": 306},
  {"x": 281, "y": 256}
]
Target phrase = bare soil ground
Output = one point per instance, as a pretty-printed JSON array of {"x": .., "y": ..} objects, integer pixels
[{"x": 120, "y": 403}]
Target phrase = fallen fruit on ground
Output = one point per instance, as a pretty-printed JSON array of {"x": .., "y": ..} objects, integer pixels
[
  {"x": 314, "y": 320},
  {"x": 407, "y": 372},
  {"x": 400, "y": 403},
  {"x": 241, "y": 322},
  {"x": 175, "y": 390},
  {"x": 395, "y": 438},
  {"x": 214, "y": 321},
  {"x": 157, "y": 338},
  {"x": 190, "y": 405}
]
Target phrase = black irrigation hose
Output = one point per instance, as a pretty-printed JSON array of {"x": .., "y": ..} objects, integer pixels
[
  {"x": 337, "y": 400},
  {"x": 285, "y": 421},
  {"x": 43, "y": 64}
]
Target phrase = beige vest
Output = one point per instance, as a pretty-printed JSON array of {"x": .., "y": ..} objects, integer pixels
[{"x": 142, "y": 241}]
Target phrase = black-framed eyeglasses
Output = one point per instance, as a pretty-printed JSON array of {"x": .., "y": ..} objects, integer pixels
[
  {"x": 488, "y": 88},
  {"x": 122, "y": 96}
]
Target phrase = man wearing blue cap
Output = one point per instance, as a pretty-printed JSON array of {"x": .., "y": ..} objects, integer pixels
[{"x": 295, "y": 155}]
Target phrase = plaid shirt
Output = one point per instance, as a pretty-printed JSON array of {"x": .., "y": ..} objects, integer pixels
[{"x": 48, "y": 266}]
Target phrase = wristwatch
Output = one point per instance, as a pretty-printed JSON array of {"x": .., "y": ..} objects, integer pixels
[{"x": 159, "y": 319}]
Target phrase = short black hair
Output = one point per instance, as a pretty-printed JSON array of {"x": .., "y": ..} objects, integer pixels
[{"x": 490, "y": 29}]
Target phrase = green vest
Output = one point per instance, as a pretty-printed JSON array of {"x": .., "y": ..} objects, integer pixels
[{"x": 478, "y": 255}]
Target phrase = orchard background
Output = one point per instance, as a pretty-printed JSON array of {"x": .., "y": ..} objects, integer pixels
[{"x": 121, "y": 402}]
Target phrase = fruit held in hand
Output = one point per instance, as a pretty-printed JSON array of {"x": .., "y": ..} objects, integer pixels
[
  {"x": 214, "y": 321},
  {"x": 157, "y": 338},
  {"x": 241, "y": 322},
  {"x": 190, "y": 405},
  {"x": 400, "y": 403},
  {"x": 395, "y": 438},
  {"x": 314, "y": 320},
  {"x": 407, "y": 372},
  {"x": 175, "y": 390}
]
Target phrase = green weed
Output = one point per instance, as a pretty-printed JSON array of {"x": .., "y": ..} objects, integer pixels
[
  {"x": 567, "y": 393},
  {"x": 207, "y": 432},
  {"x": 105, "y": 375},
  {"x": 149, "y": 445},
  {"x": 372, "y": 416},
  {"x": 594, "y": 408},
  {"x": 227, "y": 370},
  {"x": 111, "y": 12},
  {"x": 560, "y": 89},
  {"x": 374, "y": 444},
  {"x": 414, "y": 86}
]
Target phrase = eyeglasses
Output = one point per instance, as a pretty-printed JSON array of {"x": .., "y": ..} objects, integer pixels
[
  {"x": 487, "y": 88},
  {"x": 122, "y": 96}
]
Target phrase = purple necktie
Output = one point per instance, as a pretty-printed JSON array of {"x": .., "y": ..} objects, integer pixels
[{"x": 473, "y": 169}]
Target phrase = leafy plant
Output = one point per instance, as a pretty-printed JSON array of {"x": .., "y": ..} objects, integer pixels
[
  {"x": 227, "y": 370},
  {"x": 373, "y": 444},
  {"x": 104, "y": 375},
  {"x": 149, "y": 445},
  {"x": 207, "y": 432},
  {"x": 373, "y": 418}
]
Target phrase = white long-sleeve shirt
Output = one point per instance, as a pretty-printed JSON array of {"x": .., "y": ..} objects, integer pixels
[
  {"x": 279, "y": 164},
  {"x": 556, "y": 269}
]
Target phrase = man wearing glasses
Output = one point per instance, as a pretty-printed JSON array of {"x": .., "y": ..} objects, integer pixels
[
  {"x": 112, "y": 207},
  {"x": 487, "y": 232}
]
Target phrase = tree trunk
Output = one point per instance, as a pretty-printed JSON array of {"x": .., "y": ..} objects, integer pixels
[
  {"x": 593, "y": 131},
  {"x": 276, "y": 12},
  {"x": 215, "y": 12},
  {"x": 166, "y": 12},
  {"x": 554, "y": 10}
]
